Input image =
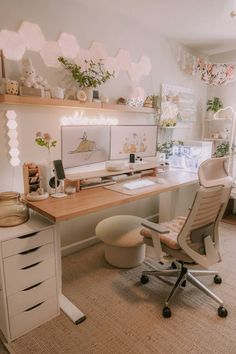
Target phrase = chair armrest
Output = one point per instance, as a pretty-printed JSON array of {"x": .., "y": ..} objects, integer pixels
[{"x": 155, "y": 227}]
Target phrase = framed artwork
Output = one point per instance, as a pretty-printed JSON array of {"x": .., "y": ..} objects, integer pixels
[
  {"x": 133, "y": 139},
  {"x": 177, "y": 104},
  {"x": 85, "y": 144}
]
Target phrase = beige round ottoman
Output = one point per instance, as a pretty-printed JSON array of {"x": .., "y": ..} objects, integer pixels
[{"x": 124, "y": 247}]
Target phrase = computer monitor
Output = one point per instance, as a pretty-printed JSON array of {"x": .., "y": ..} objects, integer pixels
[
  {"x": 140, "y": 140},
  {"x": 84, "y": 144}
]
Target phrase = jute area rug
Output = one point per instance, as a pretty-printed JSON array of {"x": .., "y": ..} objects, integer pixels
[{"x": 125, "y": 317}]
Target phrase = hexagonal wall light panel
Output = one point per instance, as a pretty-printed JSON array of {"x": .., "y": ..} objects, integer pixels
[
  {"x": 134, "y": 72},
  {"x": 123, "y": 59},
  {"x": 145, "y": 65},
  {"x": 112, "y": 65},
  {"x": 68, "y": 44},
  {"x": 98, "y": 51},
  {"x": 50, "y": 53},
  {"x": 15, "y": 161},
  {"x": 11, "y": 124},
  {"x": 13, "y": 141},
  {"x": 12, "y": 45},
  {"x": 32, "y": 36},
  {"x": 83, "y": 54},
  {"x": 11, "y": 114}
]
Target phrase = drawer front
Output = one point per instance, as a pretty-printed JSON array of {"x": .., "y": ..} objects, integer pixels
[
  {"x": 33, "y": 317},
  {"x": 26, "y": 242},
  {"x": 31, "y": 296},
  {"x": 27, "y": 259},
  {"x": 23, "y": 278}
]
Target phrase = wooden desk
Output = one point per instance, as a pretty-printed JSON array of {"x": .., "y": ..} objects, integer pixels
[{"x": 92, "y": 200}]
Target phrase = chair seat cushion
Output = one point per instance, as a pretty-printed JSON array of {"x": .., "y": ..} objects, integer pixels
[{"x": 168, "y": 239}]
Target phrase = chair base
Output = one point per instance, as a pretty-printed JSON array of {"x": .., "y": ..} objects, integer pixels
[{"x": 184, "y": 275}]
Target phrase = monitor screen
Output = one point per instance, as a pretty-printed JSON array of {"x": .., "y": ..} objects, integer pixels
[
  {"x": 85, "y": 144},
  {"x": 140, "y": 140}
]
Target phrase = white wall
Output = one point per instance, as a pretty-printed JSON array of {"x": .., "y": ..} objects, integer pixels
[{"x": 88, "y": 20}]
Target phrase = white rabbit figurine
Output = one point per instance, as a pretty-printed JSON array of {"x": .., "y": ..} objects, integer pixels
[{"x": 30, "y": 78}]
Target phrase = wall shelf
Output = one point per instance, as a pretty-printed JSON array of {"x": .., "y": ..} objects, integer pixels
[
  {"x": 126, "y": 108},
  {"x": 216, "y": 139},
  {"x": 218, "y": 120},
  {"x": 41, "y": 101}
]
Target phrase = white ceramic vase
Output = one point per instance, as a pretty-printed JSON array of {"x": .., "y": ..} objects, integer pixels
[{"x": 89, "y": 93}]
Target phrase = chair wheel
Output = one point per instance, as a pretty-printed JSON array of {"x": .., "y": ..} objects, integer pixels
[
  {"x": 183, "y": 284},
  {"x": 217, "y": 279},
  {"x": 144, "y": 279},
  {"x": 222, "y": 312},
  {"x": 166, "y": 312}
]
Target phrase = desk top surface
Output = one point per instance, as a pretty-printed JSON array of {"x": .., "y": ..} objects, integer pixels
[{"x": 95, "y": 199}]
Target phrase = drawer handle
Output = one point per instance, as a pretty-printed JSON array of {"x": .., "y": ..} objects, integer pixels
[
  {"x": 33, "y": 286},
  {"x": 29, "y": 251},
  {"x": 33, "y": 307},
  {"x": 28, "y": 235},
  {"x": 31, "y": 265}
]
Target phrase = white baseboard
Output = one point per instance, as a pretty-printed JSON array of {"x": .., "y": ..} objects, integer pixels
[{"x": 79, "y": 245}]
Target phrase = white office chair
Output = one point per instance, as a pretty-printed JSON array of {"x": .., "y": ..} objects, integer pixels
[{"x": 194, "y": 239}]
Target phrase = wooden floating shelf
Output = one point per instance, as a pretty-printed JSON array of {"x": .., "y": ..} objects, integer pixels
[
  {"x": 218, "y": 120},
  {"x": 41, "y": 101},
  {"x": 215, "y": 139},
  {"x": 126, "y": 108}
]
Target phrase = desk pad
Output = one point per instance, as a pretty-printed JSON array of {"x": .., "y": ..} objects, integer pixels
[{"x": 119, "y": 187}]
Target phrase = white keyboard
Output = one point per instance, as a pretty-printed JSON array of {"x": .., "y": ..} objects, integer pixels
[{"x": 139, "y": 183}]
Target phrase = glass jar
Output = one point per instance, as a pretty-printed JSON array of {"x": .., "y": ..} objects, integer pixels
[{"x": 13, "y": 211}]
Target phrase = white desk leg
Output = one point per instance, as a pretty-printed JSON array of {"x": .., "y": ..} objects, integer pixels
[
  {"x": 168, "y": 203},
  {"x": 67, "y": 307}
]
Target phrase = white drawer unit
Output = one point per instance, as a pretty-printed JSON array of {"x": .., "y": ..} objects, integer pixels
[
  {"x": 28, "y": 276},
  {"x": 33, "y": 317},
  {"x": 26, "y": 242}
]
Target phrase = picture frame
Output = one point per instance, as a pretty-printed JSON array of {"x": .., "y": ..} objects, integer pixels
[{"x": 177, "y": 104}]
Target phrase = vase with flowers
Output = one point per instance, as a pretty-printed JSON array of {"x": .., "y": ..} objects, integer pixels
[
  {"x": 94, "y": 75},
  {"x": 45, "y": 139}
]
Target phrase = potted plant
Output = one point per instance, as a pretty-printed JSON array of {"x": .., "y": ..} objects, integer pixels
[
  {"x": 222, "y": 150},
  {"x": 166, "y": 147},
  {"x": 213, "y": 105},
  {"x": 94, "y": 75}
]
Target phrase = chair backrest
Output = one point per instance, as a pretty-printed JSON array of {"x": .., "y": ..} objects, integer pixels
[
  {"x": 214, "y": 172},
  {"x": 199, "y": 236},
  {"x": 200, "y": 230}
]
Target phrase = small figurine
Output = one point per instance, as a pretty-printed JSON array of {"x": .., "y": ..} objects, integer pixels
[
  {"x": 30, "y": 79},
  {"x": 148, "y": 102},
  {"x": 121, "y": 100}
]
